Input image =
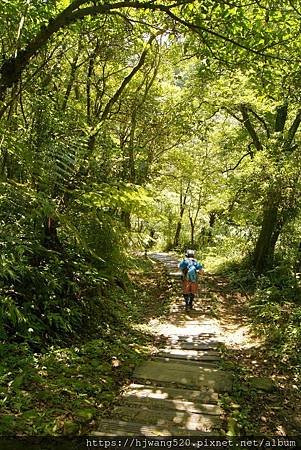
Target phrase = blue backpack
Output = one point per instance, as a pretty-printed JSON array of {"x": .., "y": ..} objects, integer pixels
[{"x": 191, "y": 270}]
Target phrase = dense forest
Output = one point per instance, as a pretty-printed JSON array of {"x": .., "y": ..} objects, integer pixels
[{"x": 137, "y": 125}]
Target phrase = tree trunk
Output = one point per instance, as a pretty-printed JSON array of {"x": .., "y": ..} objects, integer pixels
[
  {"x": 212, "y": 219},
  {"x": 268, "y": 236},
  {"x": 126, "y": 218},
  {"x": 183, "y": 198},
  {"x": 51, "y": 239},
  {"x": 192, "y": 228},
  {"x": 176, "y": 239}
]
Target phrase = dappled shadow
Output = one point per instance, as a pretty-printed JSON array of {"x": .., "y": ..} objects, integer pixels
[
  {"x": 170, "y": 397},
  {"x": 265, "y": 399},
  {"x": 166, "y": 409},
  {"x": 150, "y": 285},
  {"x": 176, "y": 391},
  {"x": 59, "y": 390}
]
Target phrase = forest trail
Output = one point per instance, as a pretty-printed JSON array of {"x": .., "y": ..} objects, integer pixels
[{"x": 176, "y": 392}]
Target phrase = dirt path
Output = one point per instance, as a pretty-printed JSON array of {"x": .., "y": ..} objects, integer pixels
[{"x": 176, "y": 392}]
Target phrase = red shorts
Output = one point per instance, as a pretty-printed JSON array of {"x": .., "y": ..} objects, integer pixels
[{"x": 190, "y": 287}]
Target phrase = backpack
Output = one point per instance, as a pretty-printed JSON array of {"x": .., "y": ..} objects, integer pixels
[{"x": 191, "y": 270}]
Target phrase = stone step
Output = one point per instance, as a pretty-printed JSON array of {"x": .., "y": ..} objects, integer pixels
[
  {"x": 203, "y": 363},
  {"x": 134, "y": 402},
  {"x": 201, "y": 327},
  {"x": 199, "y": 322},
  {"x": 193, "y": 346},
  {"x": 193, "y": 340},
  {"x": 197, "y": 332},
  {"x": 191, "y": 355},
  {"x": 168, "y": 418},
  {"x": 170, "y": 393},
  {"x": 121, "y": 428},
  {"x": 200, "y": 337},
  {"x": 185, "y": 374}
]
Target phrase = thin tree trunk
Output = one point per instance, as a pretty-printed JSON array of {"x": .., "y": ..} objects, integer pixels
[
  {"x": 126, "y": 218},
  {"x": 192, "y": 228},
  {"x": 177, "y": 233},
  {"x": 73, "y": 70},
  {"x": 268, "y": 236},
  {"x": 50, "y": 238},
  {"x": 183, "y": 199}
]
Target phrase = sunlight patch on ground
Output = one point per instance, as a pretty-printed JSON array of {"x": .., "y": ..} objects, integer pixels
[
  {"x": 186, "y": 326},
  {"x": 235, "y": 336}
]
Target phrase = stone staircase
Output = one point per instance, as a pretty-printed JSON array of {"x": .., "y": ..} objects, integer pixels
[{"x": 176, "y": 392}]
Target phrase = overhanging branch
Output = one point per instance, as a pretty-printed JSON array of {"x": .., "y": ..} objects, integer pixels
[
  {"x": 249, "y": 153},
  {"x": 249, "y": 127},
  {"x": 12, "y": 69},
  {"x": 292, "y": 131},
  {"x": 262, "y": 121}
]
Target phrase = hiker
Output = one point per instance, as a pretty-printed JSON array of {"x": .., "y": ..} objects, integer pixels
[{"x": 190, "y": 268}]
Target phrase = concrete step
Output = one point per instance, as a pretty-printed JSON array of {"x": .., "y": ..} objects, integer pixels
[
  {"x": 197, "y": 331},
  {"x": 186, "y": 374},
  {"x": 171, "y": 393},
  {"x": 121, "y": 428},
  {"x": 198, "y": 322},
  {"x": 199, "y": 337},
  {"x": 193, "y": 346},
  {"x": 168, "y": 418},
  {"x": 190, "y": 355},
  {"x": 134, "y": 402},
  {"x": 204, "y": 363}
]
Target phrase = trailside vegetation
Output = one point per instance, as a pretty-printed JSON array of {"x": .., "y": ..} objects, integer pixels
[{"x": 132, "y": 125}]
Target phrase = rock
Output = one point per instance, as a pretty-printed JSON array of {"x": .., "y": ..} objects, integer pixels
[
  {"x": 262, "y": 384},
  {"x": 70, "y": 427}
]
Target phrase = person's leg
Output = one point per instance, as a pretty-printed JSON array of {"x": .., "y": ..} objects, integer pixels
[
  {"x": 186, "y": 298},
  {"x": 186, "y": 292},
  {"x": 193, "y": 291},
  {"x": 189, "y": 291}
]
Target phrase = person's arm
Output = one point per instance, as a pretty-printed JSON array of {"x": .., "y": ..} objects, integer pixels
[{"x": 200, "y": 268}]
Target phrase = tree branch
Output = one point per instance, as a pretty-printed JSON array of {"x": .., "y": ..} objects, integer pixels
[
  {"x": 249, "y": 152},
  {"x": 249, "y": 127},
  {"x": 233, "y": 114},
  {"x": 292, "y": 131},
  {"x": 12, "y": 68},
  {"x": 261, "y": 120},
  {"x": 121, "y": 88},
  {"x": 198, "y": 28}
]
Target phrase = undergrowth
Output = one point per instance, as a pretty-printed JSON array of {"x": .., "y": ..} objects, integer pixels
[
  {"x": 271, "y": 305},
  {"x": 274, "y": 304},
  {"x": 64, "y": 387}
]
